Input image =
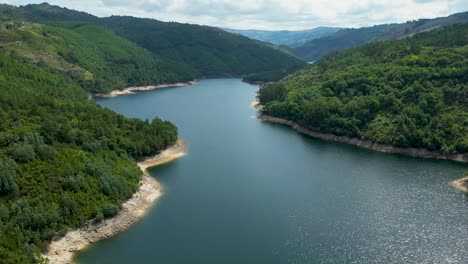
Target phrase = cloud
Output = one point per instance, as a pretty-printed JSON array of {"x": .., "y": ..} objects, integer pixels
[{"x": 269, "y": 14}]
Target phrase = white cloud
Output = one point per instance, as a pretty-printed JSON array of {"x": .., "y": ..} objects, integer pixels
[{"x": 269, "y": 14}]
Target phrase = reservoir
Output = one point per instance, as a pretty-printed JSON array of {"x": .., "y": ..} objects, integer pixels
[{"x": 254, "y": 192}]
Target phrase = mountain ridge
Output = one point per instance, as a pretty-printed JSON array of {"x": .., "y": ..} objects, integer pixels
[
  {"x": 353, "y": 37},
  {"x": 289, "y": 38}
]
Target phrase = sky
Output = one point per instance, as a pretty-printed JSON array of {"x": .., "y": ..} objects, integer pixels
[{"x": 268, "y": 14}]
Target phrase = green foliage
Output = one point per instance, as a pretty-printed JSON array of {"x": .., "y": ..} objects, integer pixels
[
  {"x": 91, "y": 55},
  {"x": 205, "y": 51},
  {"x": 8, "y": 183},
  {"x": 63, "y": 159},
  {"x": 411, "y": 92},
  {"x": 22, "y": 152},
  {"x": 109, "y": 210}
]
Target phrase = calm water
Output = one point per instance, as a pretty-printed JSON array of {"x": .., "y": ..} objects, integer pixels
[{"x": 254, "y": 192}]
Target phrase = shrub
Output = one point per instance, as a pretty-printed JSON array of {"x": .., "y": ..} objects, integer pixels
[
  {"x": 109, "y": 210},
  {"x": 22, "y": 152},
  {"x": 8, "y": 178}
]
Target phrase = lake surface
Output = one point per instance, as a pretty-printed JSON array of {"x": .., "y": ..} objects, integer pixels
[{"x": 255, "y": 192}]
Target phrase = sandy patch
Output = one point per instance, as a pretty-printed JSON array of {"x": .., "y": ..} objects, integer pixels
[
  {"x": 131, "y": 90},
  {"x": 460, "y": 184}
]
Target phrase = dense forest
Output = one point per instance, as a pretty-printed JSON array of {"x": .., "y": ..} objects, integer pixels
[
  {"x": 168, "y": 52},
  {"x": 63, "y": 159},
  {"x": 90, "y": 54},
  {"x": 411, "y": 92},
  {"x": 354, "y": 37},
  {"x": 209, "y": 51}
]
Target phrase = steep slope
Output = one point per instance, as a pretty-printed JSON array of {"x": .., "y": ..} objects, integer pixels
[
  {"x": 411, "y": 92},
  {"x": 348, "y": 38},
  {"x": 210, "y": 51},
  {"x": 94, "y": 56},
  {"x": 290, "y": 38}
]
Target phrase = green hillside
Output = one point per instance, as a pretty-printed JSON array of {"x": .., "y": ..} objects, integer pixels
[
  {"x": 94, "y": 56},
  {"x": 181, "y": 51},
  {"x": 210, "y": 51},
  {"x": 411, "y": 92}
]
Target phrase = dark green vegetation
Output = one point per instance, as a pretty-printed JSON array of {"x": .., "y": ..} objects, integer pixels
[
  {"x": 411, "y": 92},
  {"x": 349, "y": 38},
  {"x": 63, "y": 159},
  {"x": 135, "y": 51},
  {"x": 290, "y": 38},
  {"x": 93, "y": 56},
  {"x": 206, "y": 51}
]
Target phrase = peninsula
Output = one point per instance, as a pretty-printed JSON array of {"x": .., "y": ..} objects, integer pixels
[{"x": 61, "y": 250}]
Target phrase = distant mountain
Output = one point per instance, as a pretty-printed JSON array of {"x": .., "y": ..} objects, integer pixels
[
  {"x": 348, "y": 38},
  {"x": 286, "y": 37},
  {"x": 343, "y": 39}
]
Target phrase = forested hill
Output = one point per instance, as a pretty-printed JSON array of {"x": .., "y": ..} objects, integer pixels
[
  {"x": 90, "y": 54},
  {"x": 182, "y": 51},
  {"x": 411, "y": 92},
  {"x": 349, "y": 38},
  {"x": 209, "y": 50},
  {"x": 63, "y": 159}
]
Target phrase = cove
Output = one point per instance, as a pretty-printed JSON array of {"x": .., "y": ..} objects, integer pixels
[{"x": 254, "y": 192}]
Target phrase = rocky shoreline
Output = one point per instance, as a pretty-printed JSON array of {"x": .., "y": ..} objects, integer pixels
[
  {"x": 461, "y": 184},
  {"x": 61, "y": 250},
  {"x": 363, "y": 143},
  {"x": 131, "y": 90}
]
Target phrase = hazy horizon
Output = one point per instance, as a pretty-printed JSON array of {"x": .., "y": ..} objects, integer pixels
[{"x": 272, "y": 15}]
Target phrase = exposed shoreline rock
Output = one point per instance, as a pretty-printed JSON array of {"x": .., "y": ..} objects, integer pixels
[
  {"x": 61, "y": 250},
  {"x": 131, "y": 90},
  {"x": 363, "y": 143}
]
